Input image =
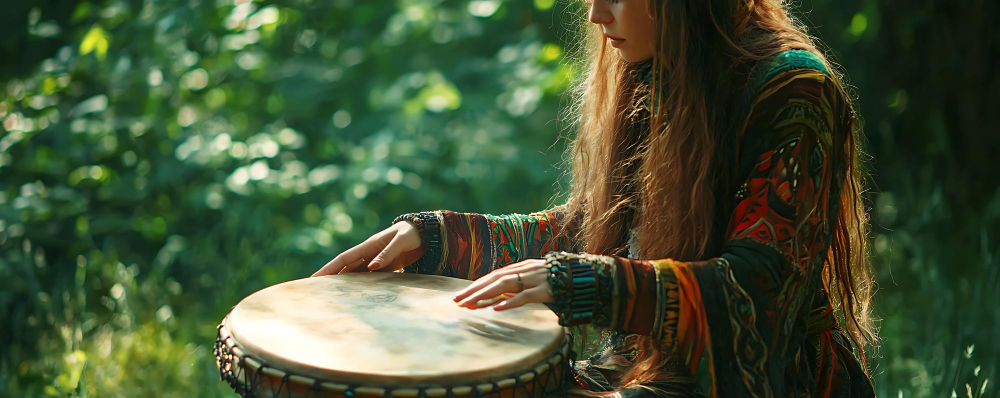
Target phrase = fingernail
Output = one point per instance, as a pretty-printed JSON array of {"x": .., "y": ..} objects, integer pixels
[{"x": 373, "y": 266}]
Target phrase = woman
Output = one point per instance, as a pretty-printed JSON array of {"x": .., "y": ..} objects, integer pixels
[{"x": 715, "y": 219}]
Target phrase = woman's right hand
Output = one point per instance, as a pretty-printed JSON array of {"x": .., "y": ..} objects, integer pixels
[{"x": 391, "y": 249}]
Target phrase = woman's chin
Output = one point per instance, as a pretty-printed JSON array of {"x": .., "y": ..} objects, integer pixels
[{"x": 631, "y": 57}]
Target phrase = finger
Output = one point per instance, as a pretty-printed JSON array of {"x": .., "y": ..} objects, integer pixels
[
  {"x": 329, "y": 268},
  {"x": 361, "y": 258},
  {"x": 492, "y": 301},
  {"x": 506, "y": 284},
  {"x": 357, "y": 257},
  {"x": 390, "y": 266},
  {"x": 403, "y": 260},
  {"x": 536, "y": 279},
  {"x": 344, "y": 259},
  {"x": 493, "y": 276},
  {"x": 350, "y": 259},
  {"x": 333, "y": 266},
  {"x": 479, "y": 284},
  {"x": 534, "y": 295},
  {"x": 387, "y": 255}
]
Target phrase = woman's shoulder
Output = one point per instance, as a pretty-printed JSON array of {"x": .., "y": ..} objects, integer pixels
[
  {"x": 794, "y": 84},
  {"x": 792, "y": 94},
  {"x": 783, "y": 62},
  {"x": 787, "y": 65}
]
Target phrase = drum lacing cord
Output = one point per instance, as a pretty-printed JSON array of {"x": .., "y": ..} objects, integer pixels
[
  {"x": 248, "y": 387},
  {"x": 226, "y": 360}
]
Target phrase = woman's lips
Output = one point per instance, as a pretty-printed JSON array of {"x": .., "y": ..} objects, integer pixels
[{"x": 615, "y": 41}]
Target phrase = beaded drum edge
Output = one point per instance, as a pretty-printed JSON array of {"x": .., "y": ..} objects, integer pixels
[{"x": 251, "y": 376}]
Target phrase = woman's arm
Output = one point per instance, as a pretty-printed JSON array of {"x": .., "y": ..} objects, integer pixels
[
  {"x": 748, "y": 299},
  {"x": 470, "y": 245}
]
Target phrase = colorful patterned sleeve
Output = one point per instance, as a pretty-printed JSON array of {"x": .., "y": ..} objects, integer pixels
[
  {"x": 745, "y": 305},
  {"x": 470, "y": 245}
]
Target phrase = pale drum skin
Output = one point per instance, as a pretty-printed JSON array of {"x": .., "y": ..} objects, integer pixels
[{"x": 388, "y": 330}]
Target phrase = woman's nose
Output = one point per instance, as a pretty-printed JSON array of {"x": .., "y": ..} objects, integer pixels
[{"x": 599, "y": 12}]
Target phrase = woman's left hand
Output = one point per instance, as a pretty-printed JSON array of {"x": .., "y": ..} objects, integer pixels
[{"x": 502, "y": 282}]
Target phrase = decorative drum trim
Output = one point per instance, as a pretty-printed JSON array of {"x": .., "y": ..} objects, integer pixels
[{"x": 246, "y": 372}]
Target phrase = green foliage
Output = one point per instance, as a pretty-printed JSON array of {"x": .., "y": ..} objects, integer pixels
[
  {"x": 920, "y": 73},
  {"x": 159, "y": 161}
]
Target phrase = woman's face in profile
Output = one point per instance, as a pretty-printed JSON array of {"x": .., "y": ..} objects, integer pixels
[{"x": 628, "y": 26}]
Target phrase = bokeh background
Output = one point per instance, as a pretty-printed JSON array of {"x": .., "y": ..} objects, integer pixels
[{"x": 160, "y": 160}]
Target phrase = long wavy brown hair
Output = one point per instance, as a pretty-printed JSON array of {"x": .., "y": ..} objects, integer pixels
[{"x": 662, "y": 172}]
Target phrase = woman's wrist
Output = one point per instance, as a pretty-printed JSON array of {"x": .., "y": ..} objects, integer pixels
[
  {"x": 429, "y": 227},
  {"x": 576, "y": 288}
]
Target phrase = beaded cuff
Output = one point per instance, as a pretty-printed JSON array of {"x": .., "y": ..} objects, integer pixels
[
  {"x": 429, "y": 227},
  {"x": 575, "y": 287}
]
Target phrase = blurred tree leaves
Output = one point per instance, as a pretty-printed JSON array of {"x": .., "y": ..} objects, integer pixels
[
  {"x": 920, "y": 74},
  {"x": 162, "y": 160},
  {"x": 159, "y": 161}
]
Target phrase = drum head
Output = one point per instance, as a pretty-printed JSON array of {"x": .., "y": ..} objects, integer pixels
[{"x": 392, "y": 328}]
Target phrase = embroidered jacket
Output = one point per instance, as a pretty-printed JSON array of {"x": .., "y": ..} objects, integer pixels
[{"x": 757, "y": 310}]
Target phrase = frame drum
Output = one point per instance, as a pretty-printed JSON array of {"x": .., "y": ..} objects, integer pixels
[{"x": 391, "y": 334}]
